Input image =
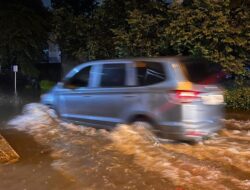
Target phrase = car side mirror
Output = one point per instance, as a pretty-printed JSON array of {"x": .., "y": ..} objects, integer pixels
[{"x": 68, "y": 84}]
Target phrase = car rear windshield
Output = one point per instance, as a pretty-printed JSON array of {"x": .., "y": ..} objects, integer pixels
[{"x": 201, "y": 71}]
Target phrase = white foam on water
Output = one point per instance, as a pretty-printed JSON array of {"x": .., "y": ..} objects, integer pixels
[{"x": 96, "y": 156}]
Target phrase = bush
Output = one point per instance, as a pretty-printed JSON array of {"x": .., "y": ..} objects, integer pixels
[
  {"x": 46, "y": 85},
  {"x": 238, "y": 99}
]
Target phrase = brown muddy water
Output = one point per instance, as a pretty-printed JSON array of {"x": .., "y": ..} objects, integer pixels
[{"x": 58, "y": 155}]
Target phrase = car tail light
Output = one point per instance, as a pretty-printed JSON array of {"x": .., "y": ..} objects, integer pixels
[{"x": 186, "y": 96}]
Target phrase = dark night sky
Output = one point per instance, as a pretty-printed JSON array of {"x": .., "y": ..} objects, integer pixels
[{"x": 47, "y": 3}]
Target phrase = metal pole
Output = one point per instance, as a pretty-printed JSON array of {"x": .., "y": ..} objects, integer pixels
[
  {"x": 15, "y": 69},
  {"x": 15, "y": 84}
]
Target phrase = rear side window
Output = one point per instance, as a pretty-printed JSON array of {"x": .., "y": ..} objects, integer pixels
[
  {"x": 113, "y": 75},
  {"x": 148, "y": 73},
  {"x": 201, "y": 71}
]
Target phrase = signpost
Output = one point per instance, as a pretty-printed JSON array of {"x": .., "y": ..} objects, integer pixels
[{"x": 15, "y": 70}]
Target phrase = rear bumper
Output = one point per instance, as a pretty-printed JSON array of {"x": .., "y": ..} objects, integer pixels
[
  {"x": 189, "y": 130},
  {"x": 197, "y": 120}
]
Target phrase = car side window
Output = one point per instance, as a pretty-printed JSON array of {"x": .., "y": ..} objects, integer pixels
[
  {"x": 80, "y": 79},
  {"x": 113, "y": 75},
  {"x": 148, "y": 73}
]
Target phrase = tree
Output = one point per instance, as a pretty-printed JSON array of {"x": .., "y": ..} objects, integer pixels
[
  {"x": 125, "y": 27},
  {"x": 141, "y": 37},
  {"x": 96, "y": 36},
  {"x": 24, "y": 31},
  {"x": 211, "y": 29},
  {"x": 77, "y": 7},
  {"x": 214, "y": 29},
  {"x": 70, "y": 31}
]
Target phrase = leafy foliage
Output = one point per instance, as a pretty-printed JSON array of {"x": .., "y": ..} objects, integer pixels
[
  {"x": 238, "y": 99},
  {"x": 70, "y": 31},
  {"x": 79, "y": 7},
  {"x": 212, "y": 30},
  {"x": 23, "y": 34},
  {"x": 216, "y": 30},
  {"x": 143, "y": 33},
  {"x": 46, "y": 85}
]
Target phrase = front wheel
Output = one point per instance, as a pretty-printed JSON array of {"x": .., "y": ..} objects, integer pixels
[{"x": 52, "y": 112}]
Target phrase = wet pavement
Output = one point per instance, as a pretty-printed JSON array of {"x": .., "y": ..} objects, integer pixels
[{"x": 58, "y": 155}]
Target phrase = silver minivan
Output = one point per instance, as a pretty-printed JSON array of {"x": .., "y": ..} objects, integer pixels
[{"x": 173, "y": 96}]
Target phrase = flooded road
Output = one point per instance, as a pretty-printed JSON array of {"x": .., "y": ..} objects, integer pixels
[{"x": 58, "y": 155}]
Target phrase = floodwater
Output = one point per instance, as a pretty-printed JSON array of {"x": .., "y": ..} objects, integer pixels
[{"x": 58, "y": 155}]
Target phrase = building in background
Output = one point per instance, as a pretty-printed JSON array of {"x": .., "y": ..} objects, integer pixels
[{"x": 51, "y": 54}]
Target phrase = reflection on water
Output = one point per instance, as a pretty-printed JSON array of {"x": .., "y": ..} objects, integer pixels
[
  {"x": 129, "y": 158},
  {"x": 11, "y": 104}
]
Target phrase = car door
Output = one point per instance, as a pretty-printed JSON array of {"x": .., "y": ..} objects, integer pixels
[
  {"x": 74, "y": 96},
  {"x": 108, "y": 98}
]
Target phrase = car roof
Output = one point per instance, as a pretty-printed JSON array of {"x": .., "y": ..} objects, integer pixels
[
  {"x": 166, "y": 59},
  {"x": 124, "y": 60},
  {"x": 153, "y": 59}
]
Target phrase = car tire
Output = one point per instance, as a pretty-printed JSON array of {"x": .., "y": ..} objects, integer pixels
[
  {"x": 149, "y": 133},
  {"x": 153, "y": 133},
  {"x": 52, "y": 111},
  {"x": 143, "y": 124}
]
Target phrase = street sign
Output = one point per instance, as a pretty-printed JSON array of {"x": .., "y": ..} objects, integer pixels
[{"x": 15, "y": 68}]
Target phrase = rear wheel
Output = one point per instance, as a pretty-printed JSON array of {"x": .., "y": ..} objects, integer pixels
[
  {"x": 146, "y": 129},
  {"x": 143, "y": 124},
  {"x": 151, "y": 132}
]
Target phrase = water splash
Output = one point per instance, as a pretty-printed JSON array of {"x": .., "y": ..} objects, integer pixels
[
  {"x": 93, "y": 158},
  {"x": 180, "y": 163}
]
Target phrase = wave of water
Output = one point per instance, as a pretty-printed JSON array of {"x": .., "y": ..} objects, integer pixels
[{"x": 131, "y": 158}]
